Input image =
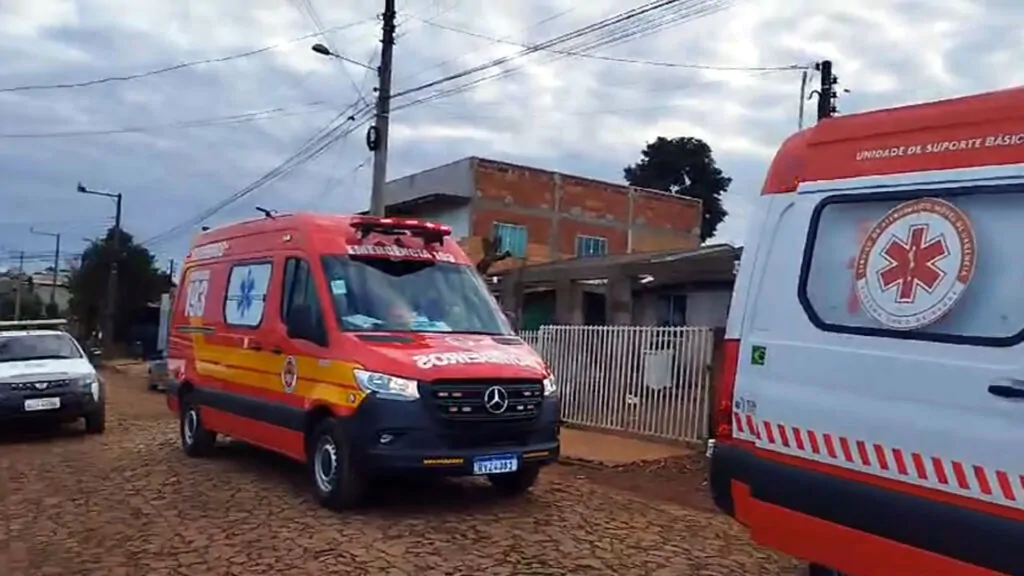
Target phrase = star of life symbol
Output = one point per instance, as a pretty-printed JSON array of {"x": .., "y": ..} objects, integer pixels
[
  {"x": 246, "y": 294},
  {"x": 915, "y": 263}
]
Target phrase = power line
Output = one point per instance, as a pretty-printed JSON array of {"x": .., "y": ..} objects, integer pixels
[
  {"x": 616, "y": 29},
  {"x": 243, "y": 118},
  {"x": 610, "y": 30},
  {"x": 617, "y": 59},
  {"x": 175, "y": 67},
  {"x": 443, "y": 62},
  {"x": 338, "y": 128}
]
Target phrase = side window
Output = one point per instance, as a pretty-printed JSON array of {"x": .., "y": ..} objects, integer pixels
[
  {"x": 300, "y": 307},
  {"x": 246, "y": 295},
  {"x": 512, "y": 238},
  {"x": 197, "y": 286},
  {"x": 591, "y": 245},
  {"x": 938, "y": 265}
]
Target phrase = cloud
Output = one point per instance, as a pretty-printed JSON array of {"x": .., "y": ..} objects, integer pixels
[{"x": 575, "y": 115}]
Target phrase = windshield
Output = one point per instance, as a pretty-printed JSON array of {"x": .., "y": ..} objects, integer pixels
[
  {"x": 380, "y": 294},
  {"x": 37, "y": 347}
]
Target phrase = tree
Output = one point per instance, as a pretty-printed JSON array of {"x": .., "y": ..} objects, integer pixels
[
  {"x": 683, "y": 166},
  {"x": 31, "y": 306},
  {"x": 139, "y": 282}
]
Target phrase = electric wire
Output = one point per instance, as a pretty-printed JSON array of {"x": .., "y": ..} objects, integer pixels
[
  {"x": 174, "y": 67},
  {"x": 231, "y": 119}
]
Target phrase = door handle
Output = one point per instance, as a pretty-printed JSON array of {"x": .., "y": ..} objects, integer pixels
[
  {"x": 277, "y": 351},
  {"x": 1007, "y": 388},
  {"x": 253, "y": 344}
]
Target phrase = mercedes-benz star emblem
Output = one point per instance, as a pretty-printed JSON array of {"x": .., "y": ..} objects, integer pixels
[
  {"x": 496, "y": 399},
  {"x": 41, "y": 385}
]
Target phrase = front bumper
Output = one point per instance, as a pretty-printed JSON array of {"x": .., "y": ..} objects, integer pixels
[
  {"x": 73, "y": 404},
  {"x": 390, "y": 437}
]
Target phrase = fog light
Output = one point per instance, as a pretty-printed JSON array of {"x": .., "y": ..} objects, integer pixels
[{"x": 386, "y": 438}]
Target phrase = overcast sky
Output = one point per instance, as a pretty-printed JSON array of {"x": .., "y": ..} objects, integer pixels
[{"x": 580, "y": 116}]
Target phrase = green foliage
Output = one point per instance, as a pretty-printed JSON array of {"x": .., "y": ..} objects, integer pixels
[
  {"x": 683, "y": 166},
  {"x": 139, "y": 282},
  {"x": 32, "y": 307}
]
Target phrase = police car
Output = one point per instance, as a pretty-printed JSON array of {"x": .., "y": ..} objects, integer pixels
[{"x": 45, "y": 374}]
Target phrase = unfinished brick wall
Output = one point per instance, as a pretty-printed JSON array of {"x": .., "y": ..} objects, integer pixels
[{"x": 556, "y": 208}]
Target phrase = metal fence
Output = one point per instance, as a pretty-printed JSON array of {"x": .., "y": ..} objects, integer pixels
[{"x": 644, "y": 380}]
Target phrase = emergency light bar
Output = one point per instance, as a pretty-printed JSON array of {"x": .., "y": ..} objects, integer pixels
[
  {"x": 30, "y": 324},
  {"x": 430, "y": 233}
]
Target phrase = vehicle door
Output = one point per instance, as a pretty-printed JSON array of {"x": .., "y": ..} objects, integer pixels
[{"x": 888, "y": 352}]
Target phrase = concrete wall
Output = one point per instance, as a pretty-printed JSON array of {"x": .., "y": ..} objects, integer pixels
[{"x": 455, "y": 178}]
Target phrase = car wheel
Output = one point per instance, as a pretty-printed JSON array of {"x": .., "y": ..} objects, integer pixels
[
  {"x": 96, "y": 422},
  {"x": 336, "y": 483},
  {"x": 515, "y": 483},
  {"x": 196, "y": 440}
]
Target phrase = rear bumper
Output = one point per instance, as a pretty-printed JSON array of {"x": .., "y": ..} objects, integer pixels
[
  {"x": 72, "y": 405},
  {"x": 870, "y": 519},
  {"x": 396, "y": 437}
]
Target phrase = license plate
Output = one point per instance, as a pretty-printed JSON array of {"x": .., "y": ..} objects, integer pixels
[
  {"x": 35, "y": 404},
  {"x": 495, "y": 464}
]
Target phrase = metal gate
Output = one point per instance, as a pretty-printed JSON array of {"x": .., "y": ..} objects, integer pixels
[{"x": 644, "y": 380}]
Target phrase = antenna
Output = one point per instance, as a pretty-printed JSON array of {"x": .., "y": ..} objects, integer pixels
[{"x": 267, "y": 212}]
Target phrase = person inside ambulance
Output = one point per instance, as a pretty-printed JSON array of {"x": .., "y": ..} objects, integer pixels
[{"x": 410, "y": 296}]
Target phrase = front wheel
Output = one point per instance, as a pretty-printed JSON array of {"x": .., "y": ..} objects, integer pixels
[
  {"x": 196, "y": 440},
  {"x": 336, "y": 483},
  {"x": 515, "y": 483},
  {"x": 96, "y": 422},
  {"x": 819, "y": 570}
]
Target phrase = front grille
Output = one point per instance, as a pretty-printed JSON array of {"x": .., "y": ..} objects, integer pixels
[
  {"x": 39, "y": 386},
  {"x": 464, "y": 400}
]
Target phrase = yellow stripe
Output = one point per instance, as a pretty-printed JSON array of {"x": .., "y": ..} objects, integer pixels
[{"x": 319, "y": 380}]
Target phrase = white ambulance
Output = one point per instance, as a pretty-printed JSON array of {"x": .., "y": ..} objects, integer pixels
[{"x": 870, "y": 416}]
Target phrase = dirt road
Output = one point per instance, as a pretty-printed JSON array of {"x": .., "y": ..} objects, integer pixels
[{"x": 129, "y": 502}]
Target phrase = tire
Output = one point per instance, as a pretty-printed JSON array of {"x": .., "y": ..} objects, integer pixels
[
  {"x": 96, "y": 422},
  {"x": 819, "y": 570},
  {"x": 337, "y": 484},
  {"x": 515, "y": 483},
  {"x": 196, "y": 440}
]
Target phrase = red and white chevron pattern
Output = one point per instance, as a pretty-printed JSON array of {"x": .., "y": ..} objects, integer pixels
[{"x": 964, "y": 479}]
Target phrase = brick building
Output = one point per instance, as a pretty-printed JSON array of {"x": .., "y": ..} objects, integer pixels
[{"x": 542, "y": 216}]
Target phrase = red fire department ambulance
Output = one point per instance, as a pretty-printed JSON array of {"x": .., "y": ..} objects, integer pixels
[
  {"x": 871, "y": 415},
  {"x": 361, "y": 346}
]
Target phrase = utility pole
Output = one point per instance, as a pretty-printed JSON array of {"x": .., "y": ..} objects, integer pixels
[
  {"x": 377, "y": 136},
  {"x": 110, "y": 309},
  {"x": 803, "y": 99},
  {"x": 17, "y": 286},
  {"x": 170, "y": 270},
  {"x": 827, "y": 93},
  {"x": 56, "y": 262}
]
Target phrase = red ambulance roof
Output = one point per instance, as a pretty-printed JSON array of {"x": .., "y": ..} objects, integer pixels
[
  {"x": 974, "y": 131},
  {"x": 398, "y": 238}
]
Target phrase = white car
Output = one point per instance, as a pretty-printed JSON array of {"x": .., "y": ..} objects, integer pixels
[{"x": 45, "y": 374}]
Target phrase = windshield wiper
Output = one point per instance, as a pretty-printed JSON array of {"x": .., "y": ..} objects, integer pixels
[{"x": 39, "y": 357}]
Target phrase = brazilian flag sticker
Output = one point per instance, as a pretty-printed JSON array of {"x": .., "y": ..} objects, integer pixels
[{"x": 758, "y": 355}]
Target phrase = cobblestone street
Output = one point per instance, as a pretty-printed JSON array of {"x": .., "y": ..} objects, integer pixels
[{"x": 129, "y": 502}]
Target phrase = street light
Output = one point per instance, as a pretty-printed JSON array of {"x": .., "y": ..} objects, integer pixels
[
  {"x": 108, "y": 327},
  {"x": 325, "y": 51},
  {"x": 56, "y": 260}
]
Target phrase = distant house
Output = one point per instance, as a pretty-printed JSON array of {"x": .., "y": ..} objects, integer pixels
[{"x": 45, "y": 288}]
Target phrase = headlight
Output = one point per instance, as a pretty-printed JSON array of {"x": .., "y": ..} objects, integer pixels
[
  {"x": 387, "y": 386},
  {"x": 549, "y": 386},
  {"x": 90, "y": 383}
]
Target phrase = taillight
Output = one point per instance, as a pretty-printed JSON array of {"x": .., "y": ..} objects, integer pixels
[{"x": 726, "y": 388}]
